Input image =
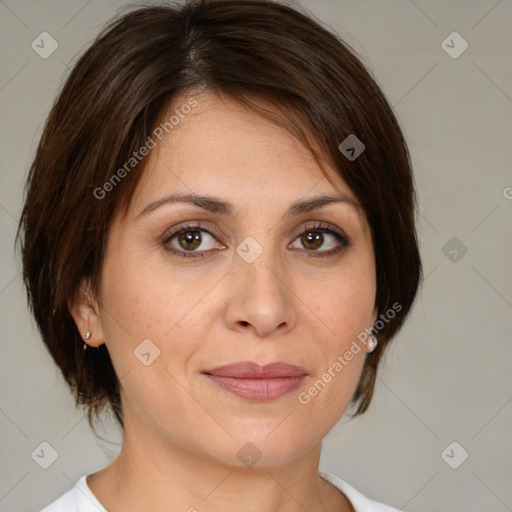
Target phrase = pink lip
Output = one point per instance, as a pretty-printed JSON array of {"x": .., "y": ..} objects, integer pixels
[{"x": 254, "y": 382}]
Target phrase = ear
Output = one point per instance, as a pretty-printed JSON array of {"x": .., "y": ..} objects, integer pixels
[
  {"x": 85, "y": 312},
  {"x": 375, "y": 315}
]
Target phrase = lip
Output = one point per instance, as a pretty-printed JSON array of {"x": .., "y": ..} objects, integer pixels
[{"x": 252, "y": 381}]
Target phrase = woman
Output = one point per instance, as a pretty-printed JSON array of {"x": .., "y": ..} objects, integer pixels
[{"x": 218, "y": 246}]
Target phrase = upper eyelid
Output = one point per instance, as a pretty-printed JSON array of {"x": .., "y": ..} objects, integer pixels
[
  {"x": 321, "y": 225},
  {"x": 170, "y": 233}
]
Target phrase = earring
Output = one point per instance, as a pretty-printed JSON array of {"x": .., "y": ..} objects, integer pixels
[
  {"x": 372, "y": 343},
  {"x": 88, "y": 335}
]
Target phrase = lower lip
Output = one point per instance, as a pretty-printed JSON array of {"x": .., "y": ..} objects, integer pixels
[{"x": 258, "y": 389}]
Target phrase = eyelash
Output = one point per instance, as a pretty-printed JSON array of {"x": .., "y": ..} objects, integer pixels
[{"x": 321, "y": 227}]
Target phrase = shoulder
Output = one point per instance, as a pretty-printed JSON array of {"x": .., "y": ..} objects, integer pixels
[
  {"x": 360, "y": 502},
  {"x": 77, "y": 499}
]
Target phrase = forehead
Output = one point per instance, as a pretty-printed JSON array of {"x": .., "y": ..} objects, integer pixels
[{"x": 220, "y": 147}]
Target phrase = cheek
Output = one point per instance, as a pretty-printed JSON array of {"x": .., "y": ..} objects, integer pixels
[
  {"x": 152, "y": 330},
  {"x": 145, "y": 300},
  {"x": 344, "y": 306},
  {"x": 346, "y": 302}
]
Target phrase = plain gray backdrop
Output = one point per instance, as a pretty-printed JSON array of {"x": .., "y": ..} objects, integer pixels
[{"x": 446, "y": 378}]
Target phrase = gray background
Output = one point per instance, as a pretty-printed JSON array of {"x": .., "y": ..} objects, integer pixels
[{"x": 446, "y": 377}]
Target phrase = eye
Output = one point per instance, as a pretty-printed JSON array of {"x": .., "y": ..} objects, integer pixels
[
  {"x": 190, "y": 241},
  {"x": 320, "y": 235},
  {"x": 194, "y": 241}
]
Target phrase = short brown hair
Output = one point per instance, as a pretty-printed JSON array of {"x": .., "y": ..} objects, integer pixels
[{"x": 113, "y": 98}]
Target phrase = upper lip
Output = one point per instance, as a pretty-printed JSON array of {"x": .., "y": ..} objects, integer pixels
[{"x": 250, "y": 370}]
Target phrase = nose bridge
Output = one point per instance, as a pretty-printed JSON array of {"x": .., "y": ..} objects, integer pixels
[
  {"x": 266, "y": 273},
  {"x": 263, "y": 297},
  {"x": 262, "y": 267}
]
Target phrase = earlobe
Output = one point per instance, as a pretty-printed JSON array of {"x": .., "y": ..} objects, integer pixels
[
  {"x": 86, "y": 313},
  {"x": 372, "y": 341}
]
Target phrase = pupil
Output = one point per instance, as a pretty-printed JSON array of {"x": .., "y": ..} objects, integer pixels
[
  {"x": 190, "y": 239},
  {"x": 314, "y": 239}
]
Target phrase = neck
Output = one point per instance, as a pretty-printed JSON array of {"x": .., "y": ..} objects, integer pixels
[{"x": 150, "y": 474}]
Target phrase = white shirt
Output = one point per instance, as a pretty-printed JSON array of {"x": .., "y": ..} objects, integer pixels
[{"x": 81, "y": 499}]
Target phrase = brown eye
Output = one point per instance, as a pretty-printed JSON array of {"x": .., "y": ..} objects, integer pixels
[
  {"x": 312, "y": 240},
  {"x": 190, "y": 241},
  {"x": 322, "y": 240}
]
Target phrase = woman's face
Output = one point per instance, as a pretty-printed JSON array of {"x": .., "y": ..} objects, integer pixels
[{"x": 250, "y": 282}]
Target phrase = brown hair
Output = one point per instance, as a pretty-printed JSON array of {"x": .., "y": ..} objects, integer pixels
[{"x": 114, "y": 97}]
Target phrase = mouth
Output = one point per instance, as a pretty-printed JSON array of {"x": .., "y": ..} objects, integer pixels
[{"x": 252, "y": 381}]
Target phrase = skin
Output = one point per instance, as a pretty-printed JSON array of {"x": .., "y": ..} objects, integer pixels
[{"x": 183, "y": 432}]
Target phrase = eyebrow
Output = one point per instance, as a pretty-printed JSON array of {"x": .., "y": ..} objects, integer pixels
[{"x": 218, "y": 206}]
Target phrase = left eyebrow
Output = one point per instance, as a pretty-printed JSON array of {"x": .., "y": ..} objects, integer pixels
[
  {"x": 308, "y": 205},
  {"x": 215, "y": 205}
]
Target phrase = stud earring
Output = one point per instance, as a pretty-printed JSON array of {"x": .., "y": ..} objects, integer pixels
[
  {"x": 372, "y": 343},
  {"x": 88, "y": 335}
]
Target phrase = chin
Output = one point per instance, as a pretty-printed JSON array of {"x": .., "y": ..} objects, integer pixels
[{"x": 257, "y": 445}]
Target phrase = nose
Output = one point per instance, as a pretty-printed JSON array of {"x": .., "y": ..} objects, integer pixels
[{"x": 261, "y": 296}]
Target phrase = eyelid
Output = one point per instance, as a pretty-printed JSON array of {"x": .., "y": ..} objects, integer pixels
[
  {"x": 310, "y": 225},
  {"x": 321, "y": 226},
  {"x": 170, "y": 233}
]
